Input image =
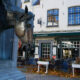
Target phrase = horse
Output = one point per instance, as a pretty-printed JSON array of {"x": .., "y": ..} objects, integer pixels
[{"x": 21, "y": 20}]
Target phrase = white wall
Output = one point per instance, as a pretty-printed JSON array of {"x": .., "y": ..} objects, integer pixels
[{"x": 40, "y": 11}]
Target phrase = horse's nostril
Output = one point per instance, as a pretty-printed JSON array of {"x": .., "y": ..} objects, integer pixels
[{"x": 28, "y": 25}]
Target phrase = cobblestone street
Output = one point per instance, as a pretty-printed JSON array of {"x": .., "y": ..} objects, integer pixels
[{"x": 46, "y": 77}]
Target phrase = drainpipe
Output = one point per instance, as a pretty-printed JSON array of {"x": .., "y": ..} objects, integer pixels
[{"x": 61, "y": 55}]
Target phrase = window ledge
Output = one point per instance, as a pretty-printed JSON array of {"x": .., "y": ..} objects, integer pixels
[
  {"x": 53, "y": 26},
  {"x": 73, "y": 24}
]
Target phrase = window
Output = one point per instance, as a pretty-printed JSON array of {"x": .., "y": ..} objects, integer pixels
[
  {"x": 74, "y": 16},
  {"x": 53, "y": 17},
  {"x": 70, "y": 49},
  {"x": 35, "y": 2},
  {"x": 45, "y": 50},
  {"x": 26, "y": 0}
]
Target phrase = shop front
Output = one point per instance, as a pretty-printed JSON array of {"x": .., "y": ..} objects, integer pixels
[
  {"x": 64, "y": 45},
  {"x": 68, "y": 48},
  {"x": 43, "y": 48}
]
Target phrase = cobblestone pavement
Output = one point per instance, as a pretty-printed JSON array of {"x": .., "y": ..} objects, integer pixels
[{"x": 46, "y": 77}]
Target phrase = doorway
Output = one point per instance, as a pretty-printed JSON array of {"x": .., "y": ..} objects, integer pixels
[{"x": 45, "y": 50}]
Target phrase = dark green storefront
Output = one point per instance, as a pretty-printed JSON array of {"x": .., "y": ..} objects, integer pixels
[{"x": 68, "y": 43}]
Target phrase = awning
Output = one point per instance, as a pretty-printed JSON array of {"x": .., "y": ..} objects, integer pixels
[{"x": 57, "y": 34}]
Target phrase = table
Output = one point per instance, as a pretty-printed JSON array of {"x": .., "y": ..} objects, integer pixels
[
  {"x": 46, "y": 63},
  {"x": 74, "y": 65}
]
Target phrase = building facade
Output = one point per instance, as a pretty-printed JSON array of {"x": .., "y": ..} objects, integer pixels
[{"x": 56, "y": 28}]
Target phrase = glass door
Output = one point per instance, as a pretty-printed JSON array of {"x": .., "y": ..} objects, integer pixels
[{"x": 45, "y": 50}]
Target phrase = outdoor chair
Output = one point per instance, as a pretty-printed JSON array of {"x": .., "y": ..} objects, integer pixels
[
  {"x": 32, "y": 61},
  {"x": 58, "y": 64},
  {"x": 20, "y": 61},
  {"x": 51, "y": 64},
  {"x": 66, "y": 65}
]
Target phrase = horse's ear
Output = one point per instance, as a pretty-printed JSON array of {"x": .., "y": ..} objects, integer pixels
[
  {"x": 26, "y": 9},
  {"x": 0, "y": 2}
]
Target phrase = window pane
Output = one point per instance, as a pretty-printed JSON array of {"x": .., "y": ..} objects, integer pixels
[
  {"x": 77, "y": 9},
  {"x": 50, "y": 12},
  {"x": 71, "y": 19},
  {"x": 77, "y": 18},
  {"x": 50, "y": 23},
  {"x": 55, "y": 21},
  {"x": 49, "y": 19},
  {"x": 56, "y": 12},
  {"x": 53, "y": 17},
  {"x": 71, "y": 10},
  {"x": 56, "y": 18}
]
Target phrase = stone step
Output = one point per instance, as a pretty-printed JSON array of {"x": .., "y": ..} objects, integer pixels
[
  {"x": 6, "y": 70},
  {"x": 11, "y": 74}
]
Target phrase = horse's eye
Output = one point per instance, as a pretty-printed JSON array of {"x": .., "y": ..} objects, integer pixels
[{"x": 28, "y": 25}]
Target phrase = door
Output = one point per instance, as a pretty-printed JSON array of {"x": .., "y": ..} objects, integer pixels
[{"x": 45, "y": 50}]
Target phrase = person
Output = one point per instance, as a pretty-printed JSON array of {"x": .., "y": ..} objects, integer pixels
[{"x": 26, "y": 50}]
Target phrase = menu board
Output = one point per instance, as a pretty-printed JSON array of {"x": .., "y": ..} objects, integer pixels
[{"x": 54, "y": 50}]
